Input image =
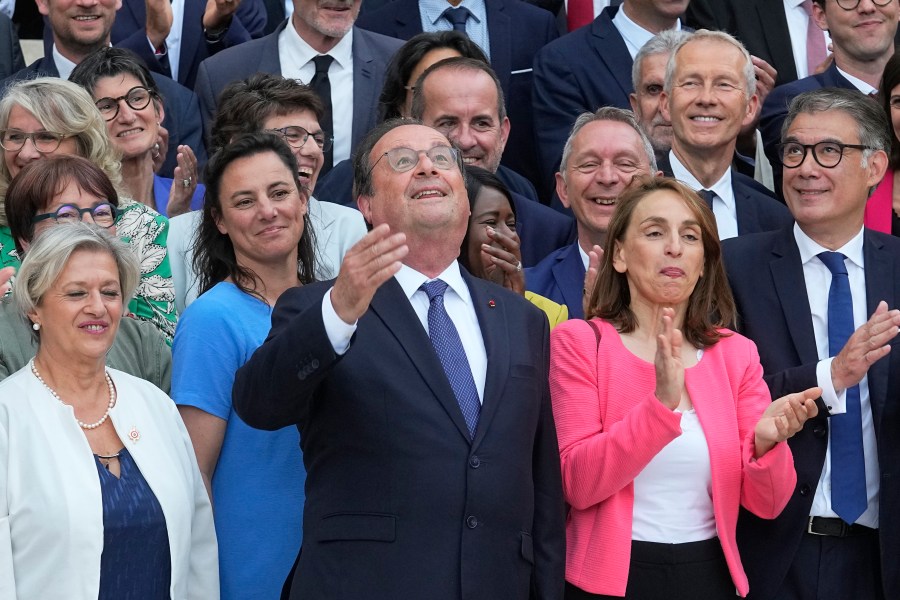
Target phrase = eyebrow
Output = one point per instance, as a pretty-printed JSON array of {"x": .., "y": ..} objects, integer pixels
[{"x": 664, "y": 221}]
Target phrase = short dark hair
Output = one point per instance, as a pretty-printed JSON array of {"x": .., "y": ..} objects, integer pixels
[
  {"x": 889, "y": 80},
  {"x": 244, "y": 105},
  {"x": 214, "y": 257},
  {"x": 30, "y": 192},
  {"x": 711, "y": 305},
  {"x": 477, "y": 179},
  {"x": 109, "y": 62},
  {"x": 405, "y": 60},
  {"x": 456, "y": 64}
]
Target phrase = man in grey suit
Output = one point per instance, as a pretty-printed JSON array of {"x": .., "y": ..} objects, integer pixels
[{"x": 317, "y": 28}]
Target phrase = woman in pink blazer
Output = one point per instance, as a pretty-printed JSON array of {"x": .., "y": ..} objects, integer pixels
[{"x": 665, "y": 424}]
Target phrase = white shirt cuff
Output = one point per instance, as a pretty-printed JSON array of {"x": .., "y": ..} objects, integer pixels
[
  {"x": 835, "y": 402},
  {"x": 338, "y": 332}
]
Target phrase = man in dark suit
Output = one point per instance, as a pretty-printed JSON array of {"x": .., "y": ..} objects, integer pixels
[
  {"x": 74, "y": 39},
  {"x": 427, "y": 476},
  {"x": 860, "y": 53},
  {"x": 709, "y": 101},
  {"x": 515, "y": 31},
  {"x": 11, "y": 50},
  {"x": 801, "y": 292},
  {"x": 605, "y": 152},
  {"x": 358, "y": 61},
  {"x": 462, "y": 98}
]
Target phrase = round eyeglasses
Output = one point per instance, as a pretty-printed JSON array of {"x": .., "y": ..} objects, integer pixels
[
  {"x": 405, "y": 159},
  {"x": 103, "y": 214},
  {"x": 296, "y": 136},
  {"x": 137, "y": 98},
  {"x": 852, "y": 4},
  {"x": 827, "y": 154},
  {"x": 44, "y": 142}
]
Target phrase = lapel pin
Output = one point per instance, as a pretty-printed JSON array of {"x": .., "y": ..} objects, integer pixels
[
  {"x": 492, "y": 304},
  {"x": 134, "y": 435}
]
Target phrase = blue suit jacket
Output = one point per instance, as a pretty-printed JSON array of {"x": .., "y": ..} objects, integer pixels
[
  {"x": 516, "y": 31},
  {"x": 560, "y": 277},
  {"x": 579, "y": 72},
  {"x": 766, "y": 276},
  {"x": 182, "y": 111},
  {"x": 775, "y": 109},
  {"x": 10, "y": 49},
  {"x": 371, "y": 53},
  {"x": 398, "y": 497}
]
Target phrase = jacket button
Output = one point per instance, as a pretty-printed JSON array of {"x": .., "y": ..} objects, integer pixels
[
  {"x": 819, "y": 430},
  {"x": 315, "y": 363},
  {"x": 804, "y": 490},
  {"x": 474, "y": 462},
  {"x": 471, "y": 522}
]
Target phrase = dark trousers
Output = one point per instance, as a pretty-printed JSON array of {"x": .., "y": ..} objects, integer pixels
[
  {"x": 827, "y": 567},
  {"x": 692, "y": 571}
]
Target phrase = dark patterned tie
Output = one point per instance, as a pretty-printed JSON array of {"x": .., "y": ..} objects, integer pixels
[
  {"x": 457, "y": 17},
  {"x": 322, "y": 87},
  {"x": 708, "y": 197}
]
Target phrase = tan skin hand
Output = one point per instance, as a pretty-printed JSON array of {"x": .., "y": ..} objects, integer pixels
[
  {"x": 590, "y": 275},
  {"x": 668, "y": 362},
  {"x": 159, "y": 21},
  {"x": 783, "y": 418},
  {"x": 505, "y": 260},
  {"x": 180, "y": 196},
  {"x": 159, "y": 156},
  {"x": 867, "y": 345},
  {"x": 765, "y": 83},
  {"x": 369, "y": 263},
  {"x": 5, "y": 275},
  {"x": 219, "y": 13}
]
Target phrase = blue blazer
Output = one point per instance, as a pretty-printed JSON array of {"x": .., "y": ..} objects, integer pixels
[
  {"x": 371, "y": 53},
  {"x": 775, "y": 109},
  {"x": 516, "y": 31},
  {"x": 400, "y": 503},
  {"x": 182, "y": 111},
  {"x": 560, "y": 277},
  {"x": 766, "y": 276},
  {"x": 161, "y": 188}
]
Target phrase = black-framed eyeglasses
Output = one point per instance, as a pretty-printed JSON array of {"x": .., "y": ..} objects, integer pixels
[
  {"x": 406, "y": 159},
  {"x": 827, "y": 154},
  {"x": 296, "y": 136},
  {"x": 852, "y": 4},
  {"x": 103, "y": 214},
  {"x": 44, "y": 142},
  {"x": 137, "y": 98}
]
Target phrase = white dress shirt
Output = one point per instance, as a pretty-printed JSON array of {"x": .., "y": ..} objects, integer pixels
[
  {"x": 296, "y": 58},
  {"x": 476, "y": 25},
  {"x": 858, "y": 83},
  {"x": 797, "y": 20},
  {"x": 634, "y": 35},
  {"x": 724, "y": 205},
  {"x": 818, "y": 281},
  {"x": 8, "y": 7},
  {"x": 457, "y": 302},
  {"x": 173, "y": 40}
]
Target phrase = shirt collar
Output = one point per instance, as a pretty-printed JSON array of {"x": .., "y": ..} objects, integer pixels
[
  {"x": 793, "y": 3},
  {"x": 633, "y": 33},
  {"x": 809, "y": 248},
  {"x": 342, "y": 52},
  {"x": 722, "y": 188},
  {"x": 63, "y": 64},
  {"x": 859, "y": 84},
  {"x": 433, "y": 9},
  {"x": 411, "y": 280}
]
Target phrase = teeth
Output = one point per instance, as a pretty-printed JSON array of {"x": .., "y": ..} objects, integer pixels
[
  {"x": 427, "y": 194},
  {"x": 469, "y": 160},
  {"x": 605, "y": 201},
  {"x": 305, "y": 172},
  {"x": 86, "y": 18},
  {"x": 705, "y": 119},
  {"x": 129, "y": 132},
  {"x": 94, "y": 327}
]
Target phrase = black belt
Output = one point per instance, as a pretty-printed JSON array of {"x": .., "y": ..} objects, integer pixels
[{"x": 836, "y": 527}]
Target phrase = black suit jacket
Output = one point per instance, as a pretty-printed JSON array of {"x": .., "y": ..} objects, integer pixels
[
  {"x": 400, "y": 503},
  {"x": 516, "y": 31},
  {"x": 766, "y": 277},
  {"x": 10, "y": 50},
  {"x": 182, "y": 111}
]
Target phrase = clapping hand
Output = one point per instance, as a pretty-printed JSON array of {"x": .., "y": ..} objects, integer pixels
[
  {"x": 185, "y": 183},
  {"x": 669, "y": 366},
  {"x": 785, "y": 417},
  {"x": 504, "y": 261},
  {"x": 590, "y": 275}
]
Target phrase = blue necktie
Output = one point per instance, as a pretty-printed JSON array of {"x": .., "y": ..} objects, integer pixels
[
  {"x": 848, "y": 466},
  {"x": 449, "y": 348},
  {"x": 457, "y": 17},
  {"x": 708, "y": 197}
]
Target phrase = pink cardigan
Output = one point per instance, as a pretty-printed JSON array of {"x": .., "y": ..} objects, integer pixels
[
  {"x": 880, "y": 205},
  {"x": 610, "y": 425}
]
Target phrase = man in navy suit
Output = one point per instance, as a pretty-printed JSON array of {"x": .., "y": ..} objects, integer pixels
[
  {"x": 606, "y": 151},
  {"x": 427, "y": 477},
  {"x": 793, "y": 289},
  {"x": 709, "y": 97},
  {"x": 317, "y": 28},
  {"x": 590, "y": 68},
  {"x": 462, "y": 98},
  {"x": 513, "y": 33},
  {"x": 860, "y": 53},
  {"x": 10, "y": 51}
]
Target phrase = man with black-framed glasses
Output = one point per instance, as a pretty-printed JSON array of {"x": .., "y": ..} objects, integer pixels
[{"x": 820, "y": 300}]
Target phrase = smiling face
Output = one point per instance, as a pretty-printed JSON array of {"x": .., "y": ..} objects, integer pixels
[
  {"x": 79, "y": 315},
  {"x": 24, "y": 121},
  {"x": 645, "y": 102},
  {"x": 309, "y": 156},
  {"x": 490, "y": 209},
  {"x": 133, "y": 132},
  {"x": 80, "y": 26},
  {"x": 861, "y": 35},
  {"x": 261, "y": 210},
  {"x": 322, "y": 23},
  {"x": 661, "y": 254},
  {"x": 462, "y": 104}
]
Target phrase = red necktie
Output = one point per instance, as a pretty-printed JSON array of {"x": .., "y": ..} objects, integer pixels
[{"x": 579, "y": 13}]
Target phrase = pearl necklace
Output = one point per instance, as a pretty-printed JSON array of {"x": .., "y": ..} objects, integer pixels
[{"x": 112, "y": 398}]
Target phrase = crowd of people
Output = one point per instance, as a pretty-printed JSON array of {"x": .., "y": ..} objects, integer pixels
[{"x": 463, "y": 299}]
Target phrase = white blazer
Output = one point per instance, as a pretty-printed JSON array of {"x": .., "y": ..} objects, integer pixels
[{"x": 51, "y": 511}]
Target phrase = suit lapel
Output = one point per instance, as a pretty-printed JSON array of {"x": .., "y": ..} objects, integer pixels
[
  {"x": 193, "y": 13},
  {"x": 879, "y": 268},
  {"x": 569, "y": 275},
  {"x": 364, "y": 85},
  {"x": 393, "y": 308},
  {"x": 745, "y": 208},
  {"x": 611, "y": 49},
  {"x": 500, "y": 37},
  {"x": 408, "y": 19},
  {"x": 787, "y": 274},
  {"x": 773, "y": 24}
]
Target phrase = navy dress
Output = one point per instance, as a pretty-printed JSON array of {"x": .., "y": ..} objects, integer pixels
[{"x": 136, "y": 562}]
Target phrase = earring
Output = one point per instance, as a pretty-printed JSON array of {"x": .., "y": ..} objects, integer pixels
[{"x": 36, "y": 326}]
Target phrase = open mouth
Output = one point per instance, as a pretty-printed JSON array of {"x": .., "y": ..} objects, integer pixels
[
  {"x": 428, "y": 194},
  {"x": 305, "y": 173},
  {"x": 604, "y": 201},
  {"x": 129, "y": 132}
]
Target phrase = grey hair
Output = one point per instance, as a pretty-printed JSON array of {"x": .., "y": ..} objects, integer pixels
[
  {"x": 50, "y": 252},
  {"x": 63, "y": 107},
  {"x": 721, "y": 36},
  {"x": 607, "y": 113},
  {"x": 664, "y": 42}
]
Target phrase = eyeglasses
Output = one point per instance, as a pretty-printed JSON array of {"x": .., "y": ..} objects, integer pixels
[
  {"x": 296, "y": 136},
  {"x": 103, "y": 214},
  {"x": 406, "y": 159},
  {"x": 852, "y": 4},
  {"x": 44, "y": 142},
  {"x": 827, "y": 154},
  {"x": 137, "y": 98}
]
